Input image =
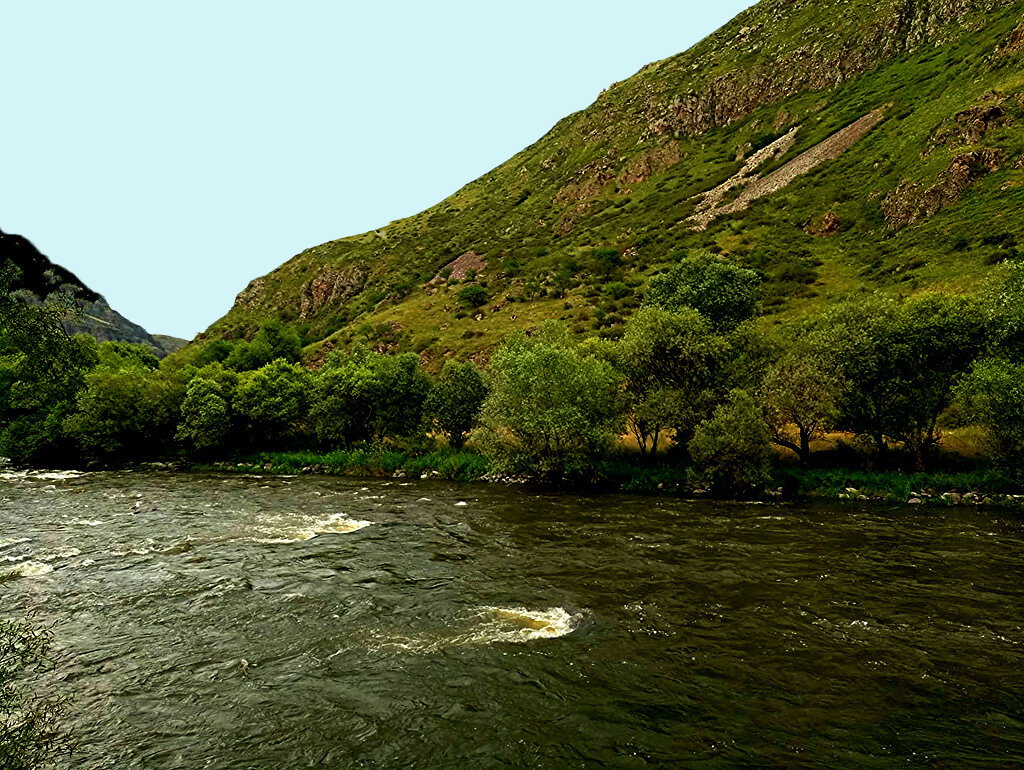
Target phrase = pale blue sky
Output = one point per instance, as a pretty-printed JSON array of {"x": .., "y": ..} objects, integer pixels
[{"x": 169, "y": 152}]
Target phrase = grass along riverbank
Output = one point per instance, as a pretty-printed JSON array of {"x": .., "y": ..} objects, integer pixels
[{"x": 632, "y": 473}]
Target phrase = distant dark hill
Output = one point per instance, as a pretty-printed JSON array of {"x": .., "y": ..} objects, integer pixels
[
  {"x": 834, "y": 146},
  {"x": 41, "y": 277}
]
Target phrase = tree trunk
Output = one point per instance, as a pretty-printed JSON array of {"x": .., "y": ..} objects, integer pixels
[{"x": 805, "y": 447}]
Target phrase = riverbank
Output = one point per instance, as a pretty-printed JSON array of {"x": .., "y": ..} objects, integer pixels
[{"x": 634, "y": 474}]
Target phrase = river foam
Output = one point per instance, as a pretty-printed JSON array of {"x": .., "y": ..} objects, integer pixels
[
  {"x": 30, "y": 569},
  {"x": 9, "y": 475},
  {"x": 490, "y": 625},
  {"x": 519, "y": 624},
  {"x": 283, "y": 530}
]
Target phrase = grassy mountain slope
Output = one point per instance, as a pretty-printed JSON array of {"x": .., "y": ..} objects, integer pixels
[{"x": 853, "y": 145}]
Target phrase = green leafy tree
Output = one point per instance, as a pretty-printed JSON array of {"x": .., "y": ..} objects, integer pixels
[
  {"x": 273, "y": 341},
  {"x": 345, "y": 395},
  {"x": 125, "y": 355},
  {"x": 901, "y": 362},
  {"x": 552, "y": 410},
  {"x": 369, "y": 395},
  {"x": 800, "y": 393},
  {"x": 670, "y": 362},
  {"x": 606, "y": 263},
  {"x": 472, "y": 296},
  {"x": 732, "y": 451},
  {"x": 273, "y": 400},
  {"x": 41, "y": 370},
  {"x": 206, "y": 424},
  {"x": 405, "y": 388},
  {"x": 1006, "y": 304},
  {"x": 993, "y": 394},
  {"x": 454, "y": 403},
  {"x": 216, "y": 351},
  {"x": 125, "y": 415},
  {"x": 721, "y": 291}
]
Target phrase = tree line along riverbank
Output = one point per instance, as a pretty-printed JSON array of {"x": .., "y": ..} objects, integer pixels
[{"x": 695, "y": 366}]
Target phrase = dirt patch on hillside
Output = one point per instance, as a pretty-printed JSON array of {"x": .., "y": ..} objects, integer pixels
[
  {"x": 710, "y": 209},
  {"x": 459, "y": 268}
]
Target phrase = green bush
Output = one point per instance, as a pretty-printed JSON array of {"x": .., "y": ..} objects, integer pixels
[
  {"x": 732, "y": 451},
  {"x": 552, "y": 410},
  {"x": 472, "y": 296}
]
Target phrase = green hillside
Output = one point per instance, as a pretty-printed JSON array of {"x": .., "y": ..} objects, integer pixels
[{"x": 832, "y": 145}]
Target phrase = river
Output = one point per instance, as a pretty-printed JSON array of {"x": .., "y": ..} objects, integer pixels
[{"x": 245, "y": 622}]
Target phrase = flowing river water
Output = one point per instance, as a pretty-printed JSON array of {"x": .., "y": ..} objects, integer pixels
[{"x": 246, "y": 622}]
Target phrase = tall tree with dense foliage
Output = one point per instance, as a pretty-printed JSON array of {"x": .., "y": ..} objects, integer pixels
[
  {"x": 368, "y": 395},
  {"x": 273, "y": 400},
  {"x": 724, "y": 293},
  {"x": 901, "y": 362},
  {"x": 454, "y": 403},
  {"x": 800, "y": 392},
  {"x": 41, "y": 370},
  {"x": 670, "y": 361},
  {"x": 552, "y": 410},
  {"x": 206, "y": 424},
  {"x": 1005, "y": 302},
  {"x": 125, "y": 415},
  {"x": 993, "y": 395}
]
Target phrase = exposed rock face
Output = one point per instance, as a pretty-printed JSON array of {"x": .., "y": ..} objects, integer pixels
[
  {"x": 908, "y": 204},
  {"x": 570, "y": 218},
  {"x": 650, "y": 163},
  {"x": 331, "y": 285},
  {"x": 970, "y": 126},
  {"x": 250, "y": 296},
  {"x": 40, "y": 277},
  {"x": 1016, "y": 39},
  {"x": 824, "y": 226},
  {"x": 589, "y": 181},
  {"x": 827, "y": 58}
]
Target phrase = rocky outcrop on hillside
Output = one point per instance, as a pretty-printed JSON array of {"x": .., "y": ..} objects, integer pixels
[
  {"x": 38, "y": 277},
  {"x": 908, "y": 204},
  {"x": 970, "y": 126},
  {"x": 330, "y": 285},
  {"x": 810, "y": 59}
]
